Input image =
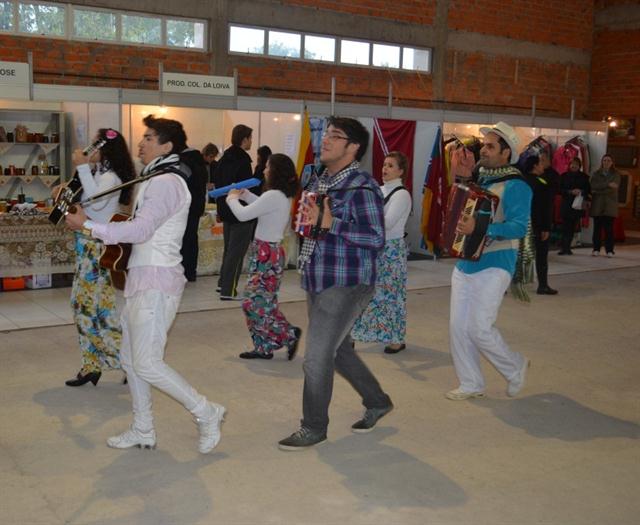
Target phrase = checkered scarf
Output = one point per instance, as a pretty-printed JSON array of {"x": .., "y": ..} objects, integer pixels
[{"x": 325, "y": 181}]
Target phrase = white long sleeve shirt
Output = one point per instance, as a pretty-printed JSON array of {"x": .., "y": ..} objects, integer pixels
[
  {"x": 396, "y": 211},
  {"x": 272, "y": 209},
  {"x": 103, "y": 209}
]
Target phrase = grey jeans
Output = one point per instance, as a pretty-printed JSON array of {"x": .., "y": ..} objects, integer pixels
[{"x": 332, "y": 313}]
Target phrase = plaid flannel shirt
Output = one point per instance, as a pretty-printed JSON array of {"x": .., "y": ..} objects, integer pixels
[{"x": 346, "y": 256}]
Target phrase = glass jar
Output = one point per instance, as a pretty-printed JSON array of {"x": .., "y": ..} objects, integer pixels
[{"x": 43, "y": 164}]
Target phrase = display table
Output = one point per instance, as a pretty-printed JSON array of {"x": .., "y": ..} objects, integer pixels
[{"x": 30, "y": 244}]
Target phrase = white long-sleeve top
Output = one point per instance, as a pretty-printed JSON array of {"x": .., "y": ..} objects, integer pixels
[
  {"x": 272, "y": 209},
  {"x": 396, "y": 211},
  {"x": 103, "y": 209}
]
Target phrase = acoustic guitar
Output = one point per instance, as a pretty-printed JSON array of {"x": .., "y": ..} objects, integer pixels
[
  {"x": 115, "y": 257},
  {"x": 70, "y": 194}
]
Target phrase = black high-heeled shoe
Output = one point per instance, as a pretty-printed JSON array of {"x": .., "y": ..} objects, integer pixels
[{"x": 80, "y": 379}]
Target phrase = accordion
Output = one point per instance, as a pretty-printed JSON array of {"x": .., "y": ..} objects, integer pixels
[
  {"x": 309, "y": 230},
  {"x": 468, "y": 200}
]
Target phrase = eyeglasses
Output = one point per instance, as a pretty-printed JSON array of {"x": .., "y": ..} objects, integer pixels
[{"x": 333, "y": 136}]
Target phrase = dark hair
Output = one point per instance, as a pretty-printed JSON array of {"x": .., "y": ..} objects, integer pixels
[
  {"x": 282, "y": 175},
  {"x": 613, "y": 163},
  {"x": 210, "y": 149},
  {"x": 530, "y": 163},
  {"x": 168, "y": 130},
  {"x": 576, "y": 159},
  {"x": 263, "y": 155},
  {"x": 354, "y": 130},
  {"x": 114, "y": 155},
  {"x": 401, "y": 160},
  {"x": 239, "y": 133},
  {"x": 504, "y": 145}
]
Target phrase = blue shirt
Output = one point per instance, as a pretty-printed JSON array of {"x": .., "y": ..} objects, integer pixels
[{"x": 346, "y": 256}]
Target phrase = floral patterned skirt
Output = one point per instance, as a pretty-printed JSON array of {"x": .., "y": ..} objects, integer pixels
[
  {"x": 267, "y": 325},
  {"x": 93, "y": 301},
  {"x": 385, "y": 318}
]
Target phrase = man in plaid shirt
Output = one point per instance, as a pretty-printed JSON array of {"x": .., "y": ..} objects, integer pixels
[{"x": 338, "y": 273}]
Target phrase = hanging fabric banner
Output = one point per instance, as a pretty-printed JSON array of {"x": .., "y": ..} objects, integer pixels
[
  {"x": 435, "y": 191},
  {"x": 393, "y": 135}
]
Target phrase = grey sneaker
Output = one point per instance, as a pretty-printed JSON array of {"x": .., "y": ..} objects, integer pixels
[
  {"x": 209, "y": 428},
  {"x": 515, "y": 385},
  {"x": 302, "y": 439},
  {"x": 370, "y": 418},
  {"x": 133, "y": 438}
]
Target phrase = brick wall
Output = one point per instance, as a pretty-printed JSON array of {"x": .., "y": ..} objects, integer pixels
[
  {"x": 469, "y": 79},
  {"x": 58, "y": 61},
  {"x": 566, "y": 23}
]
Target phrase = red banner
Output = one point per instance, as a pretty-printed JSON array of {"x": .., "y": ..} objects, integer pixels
[{"x": 393, "y": 135}]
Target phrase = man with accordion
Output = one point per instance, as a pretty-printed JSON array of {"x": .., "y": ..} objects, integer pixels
[{"x": 478, "y": 285}]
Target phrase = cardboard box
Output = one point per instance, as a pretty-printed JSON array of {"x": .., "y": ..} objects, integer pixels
[
  {"x": 41, "y": 280},
  {"x": 12, "y": 283}
]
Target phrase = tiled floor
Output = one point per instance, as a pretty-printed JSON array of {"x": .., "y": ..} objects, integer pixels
[{"x": 50, "y": 307}]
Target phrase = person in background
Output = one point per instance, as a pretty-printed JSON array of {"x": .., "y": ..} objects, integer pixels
[
  {"x": 385, "y": 318},
  {"x": 263, "y": 154},
  {"x": 339, "y": 274},
  {"x": 541, "y": 217},
  {"x": 210, "y": 154},
  {"x": 574, "y": 183},
  {"x": 234, "y": 166},
  {"x": 193, "y": 165},
  {"x": 154, "y": 286},
  {"x": 267, "y": 325},
  {"x": 93, "y": 297},
  {"x": 604, "y": 183}
]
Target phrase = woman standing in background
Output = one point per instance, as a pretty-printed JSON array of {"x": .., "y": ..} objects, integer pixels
[
  {"x": 604, "y": 204},
  {"x": 385, "y": 318}
]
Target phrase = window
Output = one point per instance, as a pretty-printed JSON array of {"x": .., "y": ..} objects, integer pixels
[
  {"x": 416, "y": 59},
  {"x": 94, "y": 25},
  {"x": 141, "y": 29},
  {"x": 319, "y": 48},
  {"x": 41, "y": 19},
  {"x": 290, "y": 44},
  {"x": 246, "y": 40},
  {"x": 353, "y": 52},
  {"x": 284, "y": 44},
  {"x": 386, "y": 56},
  {"x": 185, "y": 33},
  {"x": 6, "y": 16}
]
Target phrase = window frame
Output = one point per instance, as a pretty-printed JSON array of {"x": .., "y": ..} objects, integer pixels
[{"x": 337, "y": 49}]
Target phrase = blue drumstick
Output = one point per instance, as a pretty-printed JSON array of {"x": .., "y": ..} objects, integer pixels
[{"x": 243, "y": 184}]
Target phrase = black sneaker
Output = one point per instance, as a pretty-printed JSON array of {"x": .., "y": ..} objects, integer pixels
[
  {"x": 293, "y": 347},
  {"x": 301, "y": 439},
  {"x": 254, "y": 354},
  {"x": 371, "y": 417}
]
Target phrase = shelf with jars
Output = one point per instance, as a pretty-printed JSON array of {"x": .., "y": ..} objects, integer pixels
[{"x": 32, "y": 151}]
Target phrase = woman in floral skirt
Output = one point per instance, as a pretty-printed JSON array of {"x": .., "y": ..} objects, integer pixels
[
  {"x": 385, "y": 318},
  {"x": 268, "y": 326},
  {"x": 93, "y": 298}
]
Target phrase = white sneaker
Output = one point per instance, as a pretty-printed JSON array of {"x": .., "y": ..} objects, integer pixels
[
  {"x": 515, "y": 385},
  {"x": 595, "y": 253},
  {"x": 609, "y": 254},
  {"x": 133, "y": 438},
  {"x": 460, "y": 395},
  {"x": 209, "y": 428}
]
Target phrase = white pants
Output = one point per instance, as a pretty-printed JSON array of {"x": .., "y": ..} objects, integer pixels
[
  {"x": 475, "y": 301},
  {"x": 146, "y": 320}
]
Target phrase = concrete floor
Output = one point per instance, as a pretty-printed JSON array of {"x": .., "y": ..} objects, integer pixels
[{"x": 567, "y": 451}]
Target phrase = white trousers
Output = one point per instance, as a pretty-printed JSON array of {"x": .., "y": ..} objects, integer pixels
[
  {"x": 146, "y": 320},
  {"x": 475, "y": 301}
]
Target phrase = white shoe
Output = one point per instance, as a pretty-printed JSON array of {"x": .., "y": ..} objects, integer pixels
[
  {"x": 515, "y": 385},
  {"x": 133, "y": 438},
  {"x": 609, "y": 254},
  {"x": 460, "y": 395},
  {"x": 209, "y": 428},
  {"x": 595, "y": 253}
]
